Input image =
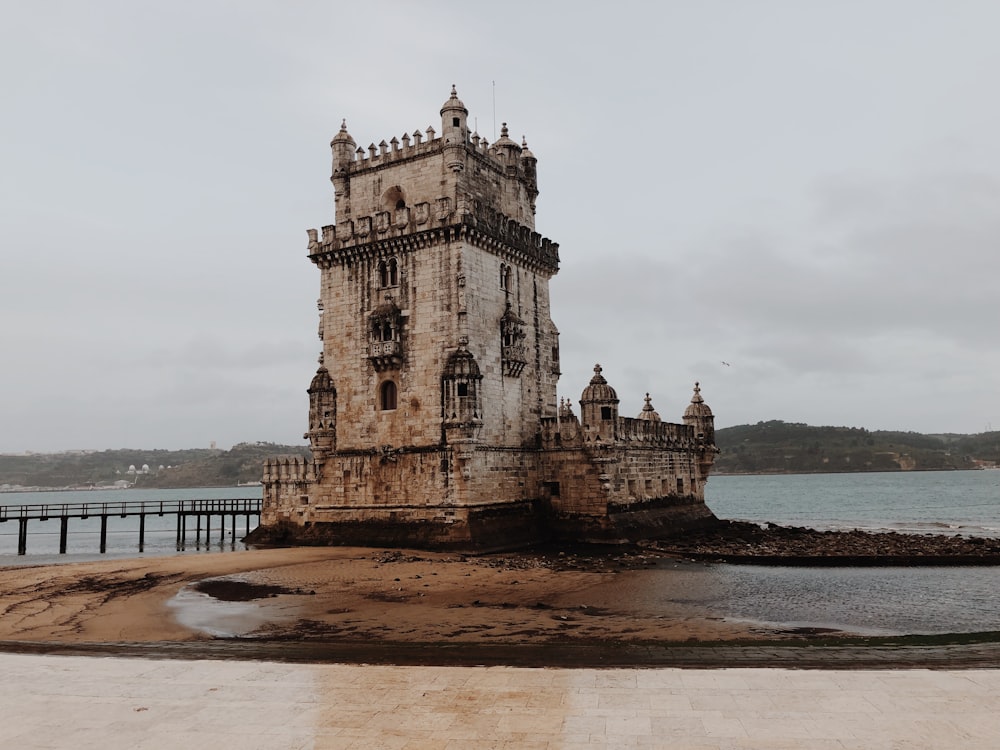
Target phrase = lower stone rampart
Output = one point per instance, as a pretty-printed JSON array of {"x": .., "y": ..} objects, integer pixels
[
  {"x": 484, "y": 498},
  {"x": 485, "y": 528}
]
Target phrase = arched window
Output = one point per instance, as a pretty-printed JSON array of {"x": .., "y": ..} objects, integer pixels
[
  {"x": 387, "y": 396},
  {"x": 388, "y": 273}
]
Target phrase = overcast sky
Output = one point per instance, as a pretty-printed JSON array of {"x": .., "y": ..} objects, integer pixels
[{"x": 806, "y": 190}]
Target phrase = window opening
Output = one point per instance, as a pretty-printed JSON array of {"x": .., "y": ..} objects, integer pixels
[
  {"x": 388, "y": 273},
  {"x": 388, "y": 396}
]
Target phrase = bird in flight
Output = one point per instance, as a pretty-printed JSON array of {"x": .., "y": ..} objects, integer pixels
[{"x": 725, "y": 363}]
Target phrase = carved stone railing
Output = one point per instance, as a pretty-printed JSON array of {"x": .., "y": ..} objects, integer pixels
[{"x": 386, "y": 355}]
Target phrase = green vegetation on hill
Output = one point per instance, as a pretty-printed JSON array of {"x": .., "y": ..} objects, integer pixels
[
  {"x": 788, "y": 447},
  {"x": 763, "y": 448},
  {"x": 184, "y": 468}
]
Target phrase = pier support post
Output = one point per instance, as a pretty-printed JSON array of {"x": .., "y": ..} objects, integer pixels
[
  {"x": 63, "y": 533},
  {"x": 142, "y": 531},
  {"x": 197, "y": 531},
  {"x": 104, "y": 532},
  {"x": 22, "y": 536}
]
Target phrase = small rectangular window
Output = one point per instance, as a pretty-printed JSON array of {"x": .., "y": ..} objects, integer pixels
[
  {"x": 605, "y": 412},
  {"x": 463, "y": 389},
  {"x": 680, "y": 486}
]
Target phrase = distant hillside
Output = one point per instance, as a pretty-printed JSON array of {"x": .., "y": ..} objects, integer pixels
[
  {"x": 164, "y": 469},
  {"x": 786, "y": 447},
  {"x": 763, "y": 448}
]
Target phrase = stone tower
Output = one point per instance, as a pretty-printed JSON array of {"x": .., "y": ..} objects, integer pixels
[{"x": 433, "y": 417}]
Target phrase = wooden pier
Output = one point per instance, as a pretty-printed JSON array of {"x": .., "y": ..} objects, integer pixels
[{"x": 198, "y": 510}]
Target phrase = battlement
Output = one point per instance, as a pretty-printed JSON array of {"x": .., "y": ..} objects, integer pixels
[
  {"x": 418, "y": 144},
  {"x": 287, "y": 469},
  {"x": 366, "y": 232},
  {"x": 566, "y": 431}
]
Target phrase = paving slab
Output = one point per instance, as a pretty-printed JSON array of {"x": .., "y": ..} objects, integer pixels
[{"x": 55, "y": 701}]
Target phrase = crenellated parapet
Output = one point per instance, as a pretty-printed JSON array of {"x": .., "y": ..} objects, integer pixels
[
  {"x": 424, "y": 225},
  {"x": 287, "y": 470},
  {"x": 655, "y": 434},
  {"x": 566, "y": 432},
  {"x": 504, "y": 155}
]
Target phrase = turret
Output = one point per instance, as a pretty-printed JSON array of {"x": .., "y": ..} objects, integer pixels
[
  {"x": 648, "y": 413},
  {"x": 700, "y": 416},
  {"x": 462, "y": 406},
  {"x": 599, "y": 408},
  {"x": 529, "y": 167},
  {"x": 343, "y": 147},
  {"x": 507, "y": 151},
  {"x": 322, "y": 434},
  {"x": 454, "y": 131}
]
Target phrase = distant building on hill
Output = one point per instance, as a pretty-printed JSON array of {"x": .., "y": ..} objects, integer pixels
[{"x": 433, "y": 416}]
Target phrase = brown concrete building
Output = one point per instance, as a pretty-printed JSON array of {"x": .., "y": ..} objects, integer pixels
[{"x": 433, "y": 417}]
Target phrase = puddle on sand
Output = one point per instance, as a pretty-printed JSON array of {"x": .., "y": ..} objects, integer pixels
[{"x": 220, "y": 619}]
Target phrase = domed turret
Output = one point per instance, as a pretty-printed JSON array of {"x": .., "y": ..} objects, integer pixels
[
  {"x": 343, "y": 147},
  {"x": 648, "y": 413},
  {"x": 453, "y": 109},
  {"x": 454, "y": 131},
  {"x": 322, "y": 434},
  {"x": 700, "y": 416},
  {"x": 598, "y": 391},
  {"x": 506, "y": 148},
  {"x": 321, "y": 381},
  {"x": 599, "y": 407}
]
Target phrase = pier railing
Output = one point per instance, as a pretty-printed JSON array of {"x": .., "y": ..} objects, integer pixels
[{"x": 182, "y": 509}]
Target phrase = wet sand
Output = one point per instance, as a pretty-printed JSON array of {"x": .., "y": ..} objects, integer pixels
[
  {"x": 353, "y": 605},
  {"x": 352, "y": 594}
]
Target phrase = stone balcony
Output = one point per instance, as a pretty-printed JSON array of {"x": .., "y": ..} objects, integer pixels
[{"x": 386, "y": 355}]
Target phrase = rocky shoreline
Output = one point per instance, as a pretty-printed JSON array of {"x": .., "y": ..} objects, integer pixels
[{"x": 752, "y": 544}]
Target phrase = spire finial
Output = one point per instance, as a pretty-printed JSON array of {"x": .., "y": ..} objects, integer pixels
[
  {"x": 503, "y": 130},
  {"x": 343, "y": 125},
  {"x": 454, "y": 92}
]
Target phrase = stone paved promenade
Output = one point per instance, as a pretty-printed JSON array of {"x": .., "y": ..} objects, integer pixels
[{"x": 112, "y": 703}]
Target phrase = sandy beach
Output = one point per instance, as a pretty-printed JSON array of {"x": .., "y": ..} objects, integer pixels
[{"x": 351, "y": 594}]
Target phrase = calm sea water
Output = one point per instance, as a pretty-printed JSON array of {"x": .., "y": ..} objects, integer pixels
[
  {"x": 872, "y": 601},
  {"x": 858, "y": 600},
  {"x": 958, "y": 502},
  {"x": 83, "y": 540}
]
